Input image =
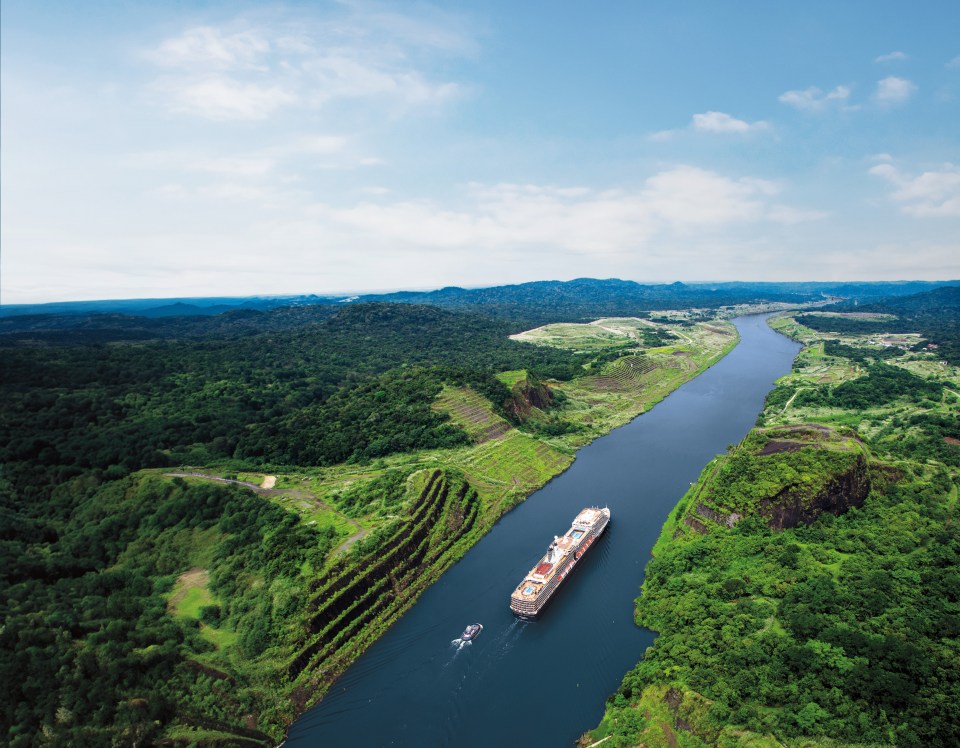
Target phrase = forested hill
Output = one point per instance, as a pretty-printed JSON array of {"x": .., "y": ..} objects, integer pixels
[
  {"x": 125, "y": 407},
  {"x": 76, "y": 329},
  {"x": 144, "y": 608},
  {"x": 587, "y": 298},
  {"x": 552, "y": 301},
  {"x": 805, "y": 589},
  {"x": 522, "y": 306},
  {"x": 90, "y": 549},
  {"x": 535, "y": 303}
]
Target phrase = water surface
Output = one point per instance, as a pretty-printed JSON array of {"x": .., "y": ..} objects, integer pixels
[{"x": 544, "y": 682}]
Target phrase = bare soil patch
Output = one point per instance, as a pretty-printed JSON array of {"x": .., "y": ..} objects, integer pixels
[
  {"x": 775, "y": 447},
  {"x": 196, "y": 577}
]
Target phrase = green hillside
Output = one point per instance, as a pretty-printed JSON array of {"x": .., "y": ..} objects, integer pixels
[
  {"x": 200, "y": 533},
  {"x": 805, "y": 589}
]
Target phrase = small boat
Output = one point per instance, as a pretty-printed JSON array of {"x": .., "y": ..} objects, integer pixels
[{"x": 471, "y": 632}]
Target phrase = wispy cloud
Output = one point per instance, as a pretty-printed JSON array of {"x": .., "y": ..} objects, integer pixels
[
  {"x": 212, "y": 48},
  {"x": 249, "y": 70},
  {"x": 681, "y": 201},
  {"x": 893, "y": 91},
  {"x": 954, "y": 64},
  {"x": 714, "y": 122},
  {"x": 934, "y": 193},
  {"x": 812, "y": 99},
  {"x": 724, "y": 123},
  {"x": 896, "y": 56},
  {"x": 266, "y": 171},
  {"x": 221, "y": 97}
]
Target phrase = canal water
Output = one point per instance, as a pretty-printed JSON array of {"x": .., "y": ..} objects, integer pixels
[{"x": 544, "y": 682}]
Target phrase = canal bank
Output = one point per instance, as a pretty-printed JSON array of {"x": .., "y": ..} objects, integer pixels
[{"x": 544, "y": 682}]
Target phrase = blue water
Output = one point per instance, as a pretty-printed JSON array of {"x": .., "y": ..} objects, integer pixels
[{"x": 544, "y": 682}]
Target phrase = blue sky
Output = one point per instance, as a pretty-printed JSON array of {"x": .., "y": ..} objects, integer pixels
[{"x": 190, "y": 148}]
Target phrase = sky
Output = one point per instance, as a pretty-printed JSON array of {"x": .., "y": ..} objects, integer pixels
[{"x": 172, "y": 149}]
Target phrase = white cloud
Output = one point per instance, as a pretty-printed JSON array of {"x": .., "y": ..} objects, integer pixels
[
  {"x": 236, "y": 167},
  {"x": 340, "y": 75},
  {"x": 224, "y": 98},
  {"x": 891, "y": 260},
  {"x": 249, "y": 71},
  {"x": 683, "y": 201},
  {"x": 251, "y": 165},
  {"x": 814, "y": 100},
  {"x": 713, "y": 122},
  {"x": 272, "y": 172},
  {"x": 309, "y": 145},
  {"x": 931, "y": 194},
  {"x": 724, "y": 123},
  {"x": 892, "y": 91},
  {"x": 209, "y": 47},
  {"x": 662, "y": 136},
  {"x": 954, "y": 63},
  {"x": 896, "y": 56}
]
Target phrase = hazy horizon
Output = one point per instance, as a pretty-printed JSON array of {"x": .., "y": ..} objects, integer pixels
[{"x": 428, "y": 289}]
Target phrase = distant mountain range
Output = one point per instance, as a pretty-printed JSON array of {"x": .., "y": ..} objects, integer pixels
[{"x": 536, "y": 301}]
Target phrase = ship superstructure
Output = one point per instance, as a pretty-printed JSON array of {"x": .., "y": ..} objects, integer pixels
[{"x": 563, "y": 554}]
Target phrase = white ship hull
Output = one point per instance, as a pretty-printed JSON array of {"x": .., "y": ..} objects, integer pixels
[{"x": 544, "y": 579}]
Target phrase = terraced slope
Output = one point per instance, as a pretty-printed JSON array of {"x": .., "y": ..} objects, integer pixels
[
  {"x": 627, "y": 375},
  {"x": 379, "y": 583},
  {"x": 472, "y": 413}
]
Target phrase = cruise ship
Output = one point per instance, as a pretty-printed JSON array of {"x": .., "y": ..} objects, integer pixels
[{"x": 563, "y": 554}]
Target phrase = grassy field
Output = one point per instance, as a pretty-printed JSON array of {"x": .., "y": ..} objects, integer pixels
[
  {"x": 190, "y": 593},
  {"x": 187, "y": 599},
  {"x": 635, "y": 382},
  {"x": 601, "y": 335}
]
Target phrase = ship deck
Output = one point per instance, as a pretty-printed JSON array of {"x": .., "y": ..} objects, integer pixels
[{"x": 543, "y": 572}]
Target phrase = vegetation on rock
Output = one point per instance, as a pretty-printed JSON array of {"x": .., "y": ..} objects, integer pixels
[{"x": 834, "y": 623}]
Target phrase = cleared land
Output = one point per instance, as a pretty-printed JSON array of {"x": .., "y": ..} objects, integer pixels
[
  {"x": 472, "y": 413},
  {"x": 639, "y": 379}
]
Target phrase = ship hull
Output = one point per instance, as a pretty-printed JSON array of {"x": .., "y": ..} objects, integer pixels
[{"x": 530, "y": 609}]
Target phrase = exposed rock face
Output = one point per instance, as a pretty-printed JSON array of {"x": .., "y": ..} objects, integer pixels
[
  {"x": 719, "y": 517},
  {"x": 696, "y": 525},
  {"x": 527, "y": 395},
  {"x": 845, "y": 490}
]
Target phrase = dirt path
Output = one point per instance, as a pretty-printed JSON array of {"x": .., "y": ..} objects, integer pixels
[
  {"x": 266, "y": 488},
  {"x": 359, "y": 535},
  {"x": 792, "y": 398}
]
